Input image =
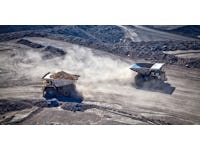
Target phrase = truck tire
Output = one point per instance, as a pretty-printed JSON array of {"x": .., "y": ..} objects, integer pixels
[
  {"x": 66, "y": 90},
  {"x": 139, "y": 80},
  {"x": 49, "y": 92}
]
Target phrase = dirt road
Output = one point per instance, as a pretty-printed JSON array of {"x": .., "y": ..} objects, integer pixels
[
  {"x": 185, "y": 54},
  {"x": 106, "y": 83}
]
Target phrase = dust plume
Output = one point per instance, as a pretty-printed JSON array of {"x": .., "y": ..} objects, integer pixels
[{"x": 101, "y": 72}]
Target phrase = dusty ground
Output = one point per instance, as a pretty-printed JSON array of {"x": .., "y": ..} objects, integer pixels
[{"x": 106, "y": 83}]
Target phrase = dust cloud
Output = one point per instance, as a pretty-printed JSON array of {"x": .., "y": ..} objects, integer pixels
[{"x": 101, "y": 72}]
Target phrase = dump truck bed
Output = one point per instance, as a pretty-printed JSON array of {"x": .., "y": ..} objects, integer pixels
[
  {"x": 145, "y": 68},
  {"x": 61, "y": 78},
  {"x": 64, "y": 75}
]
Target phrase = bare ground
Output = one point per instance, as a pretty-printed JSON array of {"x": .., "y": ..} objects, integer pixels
[{"x": 106, "y": 83}]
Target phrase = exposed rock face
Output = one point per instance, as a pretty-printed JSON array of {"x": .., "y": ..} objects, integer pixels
[{"x": 93, "y": 33}]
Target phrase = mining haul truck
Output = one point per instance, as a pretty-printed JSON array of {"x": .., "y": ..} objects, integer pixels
[
  {"x": 148, "y": 72},
  {"x": 59, "y": 84}
]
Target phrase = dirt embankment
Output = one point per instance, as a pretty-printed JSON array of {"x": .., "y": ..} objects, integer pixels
[
  {"x": 152, "y": 50},
  {"x": 30, "y": 44},
  {"x": 7, "y": 105}
]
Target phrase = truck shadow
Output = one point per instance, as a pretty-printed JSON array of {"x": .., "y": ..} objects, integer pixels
[
  {"x": 58, "y": 100},
  {"x": 78, "y": 98},
  {"x": 74, "y": 97},
  {"x": 154, "y": 85}
]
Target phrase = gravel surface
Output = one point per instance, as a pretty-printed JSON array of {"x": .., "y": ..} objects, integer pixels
[{"x": 106, "y": 83}]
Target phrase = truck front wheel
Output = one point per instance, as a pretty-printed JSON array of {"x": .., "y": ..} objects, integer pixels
[
  {"x": 139, "y": 80},
  {"x": 49, "y": 92}
]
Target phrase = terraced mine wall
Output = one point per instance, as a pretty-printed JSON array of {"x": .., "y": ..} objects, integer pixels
[{"x": 152, "y": 51}]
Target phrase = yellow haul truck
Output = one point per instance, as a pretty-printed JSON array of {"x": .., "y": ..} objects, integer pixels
[{"x": 60, "y": 84}]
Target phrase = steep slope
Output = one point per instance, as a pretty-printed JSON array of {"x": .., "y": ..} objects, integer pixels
[
  {"x": 144, "y": 33},
  {"x": 104, "y": 34},
  {"x": 192, "y": 31},
  {"x": 184, "y": 30}
]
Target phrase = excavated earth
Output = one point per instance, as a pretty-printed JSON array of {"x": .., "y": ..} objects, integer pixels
[{"x": 106, "y": 84}]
